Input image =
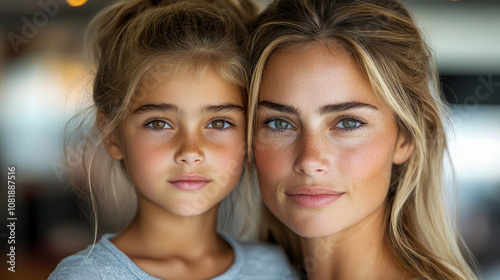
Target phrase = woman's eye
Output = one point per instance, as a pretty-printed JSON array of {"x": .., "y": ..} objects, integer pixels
[
  {"x": 279, "y": 124},
  {"x": 348, "y": 124},
  {"x": 158, "y": 125},
  {"x": 219, "y": 124}
]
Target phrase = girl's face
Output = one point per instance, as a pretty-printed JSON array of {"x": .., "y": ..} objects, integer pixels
[
  {"x": 183, "y": 144},
  {"x": 324, "y": 144}
]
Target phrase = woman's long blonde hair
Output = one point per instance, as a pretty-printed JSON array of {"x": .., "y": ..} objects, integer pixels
[
  {"x": 388, "y": 46},
  {"x": 134, "y": 45}
]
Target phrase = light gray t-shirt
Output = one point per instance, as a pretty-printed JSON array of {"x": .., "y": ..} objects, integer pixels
[{"x": 251, "y": 261}]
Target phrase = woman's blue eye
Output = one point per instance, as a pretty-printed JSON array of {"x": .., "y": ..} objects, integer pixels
[
  {"x": 158, "y": 125},
  {"x": 219, "y": 124},
  {"x": 348, "y": 124},
  {"x": 279, "y": 124}
]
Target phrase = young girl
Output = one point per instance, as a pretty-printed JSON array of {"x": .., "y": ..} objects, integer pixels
[
  {"x": 349, "y": 142},
  {"x": 170, "y": 97}
]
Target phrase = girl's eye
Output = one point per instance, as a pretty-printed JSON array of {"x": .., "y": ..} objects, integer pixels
[
  {"x": 158, "y": 125},
  {"x": 219, "y": 124},
  {"x": 348, "y": 124},
  {"x": 278, "y": 124}
]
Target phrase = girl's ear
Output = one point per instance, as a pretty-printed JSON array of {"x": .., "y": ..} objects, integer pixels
[
  {"x": 111, "y": 141},
  {"x": 404, "y": 148}
]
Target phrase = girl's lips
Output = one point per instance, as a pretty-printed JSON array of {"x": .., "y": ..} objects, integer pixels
[
  {"x": 313, "y": 197},
  {"x": 190, "y": 182}
]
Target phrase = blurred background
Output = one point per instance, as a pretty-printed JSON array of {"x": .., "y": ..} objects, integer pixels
[{"x": 43, "y": 80}]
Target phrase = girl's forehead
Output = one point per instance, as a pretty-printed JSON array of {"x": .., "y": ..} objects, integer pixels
[
  {"x": 196, "y": 67},
  {"x": 185, "y": 90}
]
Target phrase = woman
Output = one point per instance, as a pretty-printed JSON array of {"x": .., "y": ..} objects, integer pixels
[{"x": 349, "y": 142}]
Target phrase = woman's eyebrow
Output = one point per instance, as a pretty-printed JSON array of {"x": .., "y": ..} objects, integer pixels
[
  {"x": 156, "y": 108},
  {"x": 332, "y": 108},
  {"x": 279, "y": 107}
]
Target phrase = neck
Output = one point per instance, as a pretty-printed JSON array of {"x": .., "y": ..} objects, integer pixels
[
  {"x": 360, "y": 252},
  {"x": 162, "y": 233}
]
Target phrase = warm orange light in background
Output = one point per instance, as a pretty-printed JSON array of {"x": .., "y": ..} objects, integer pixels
[{"x": 76, "y": 3}]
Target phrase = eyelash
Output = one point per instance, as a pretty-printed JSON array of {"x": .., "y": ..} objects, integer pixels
[
  {"x": 224, "y": 119},
  {"x": 343, "y": 118},
  {"x": 266, "y": 123},
  {"x": 151, "y": 120}
]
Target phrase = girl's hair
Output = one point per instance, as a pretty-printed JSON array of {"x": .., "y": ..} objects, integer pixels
[
  {"x": 384, "y": 40},
  {"x": 134, "y": 46}
]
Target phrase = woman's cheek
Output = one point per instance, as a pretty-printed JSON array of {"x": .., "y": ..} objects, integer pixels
[
  {"x": 269, "y": 165},
  {"x": 368, "y": 165},
  {"x": 272, "y": 166}
]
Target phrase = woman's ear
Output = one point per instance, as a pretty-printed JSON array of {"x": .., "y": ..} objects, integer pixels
[
  {"x": 111, "y": 140},
  {"x": 404, "y": 148}
]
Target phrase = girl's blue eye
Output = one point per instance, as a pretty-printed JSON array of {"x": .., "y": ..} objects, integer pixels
[
  {"x": 348, "y": 124},
  {"x": 279, "y": 124},
  {"x": 158, "y": 125},
  {"x": 219, "y": 124}
]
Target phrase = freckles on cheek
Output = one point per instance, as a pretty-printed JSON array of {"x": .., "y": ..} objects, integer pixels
[
  {"x": 270, "y": 163},
  {"x": 230, "y": 146},
  {"x": 369, "y": 167},
  {"x": 143, "y": 152},
  {"x": 230, "y": 162},
  {"x": 272, "y": 155}
]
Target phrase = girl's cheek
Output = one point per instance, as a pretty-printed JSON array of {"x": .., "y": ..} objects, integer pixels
[
  {"x": 226, "y": 139},
  {"x": 227, "y": 169},
  {"x": 231, "y": 161},
  {"x": 229, "y": 151}
]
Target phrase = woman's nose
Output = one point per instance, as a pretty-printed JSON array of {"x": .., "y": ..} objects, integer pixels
[{"x": 312, "y": 156}]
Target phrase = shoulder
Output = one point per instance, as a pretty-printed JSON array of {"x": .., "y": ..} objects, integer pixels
[
  {"x": 82, "y": 265},
  {"x": 261, "y": 261},
  {"x": 105, "y": 261}
]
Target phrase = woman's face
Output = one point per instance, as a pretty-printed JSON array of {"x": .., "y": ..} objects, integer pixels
[{"x": 324, "y": 143}]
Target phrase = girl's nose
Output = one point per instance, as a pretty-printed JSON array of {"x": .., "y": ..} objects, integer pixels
[{"x": 190, "y": 150}]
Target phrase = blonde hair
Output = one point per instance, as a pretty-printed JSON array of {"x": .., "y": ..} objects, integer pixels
[
  {"x": 388, "y": 46},
  {"x": 133, "y": 46}
]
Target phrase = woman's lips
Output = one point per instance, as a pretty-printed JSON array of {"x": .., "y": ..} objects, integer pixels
[
  {"x": 313, "y": 197},
  {"x": 189, "y": 182}
]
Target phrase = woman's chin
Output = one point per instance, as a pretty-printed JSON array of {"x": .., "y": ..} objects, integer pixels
[{"x": 312, "y": 227}]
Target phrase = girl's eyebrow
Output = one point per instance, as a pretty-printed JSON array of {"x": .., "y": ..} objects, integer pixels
[
  {"x": 223, "y": 107},
  {"x": 330, "y": 108},
  {"x": 156, "y": 107},
  {"x": 161, "y": 107}
]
